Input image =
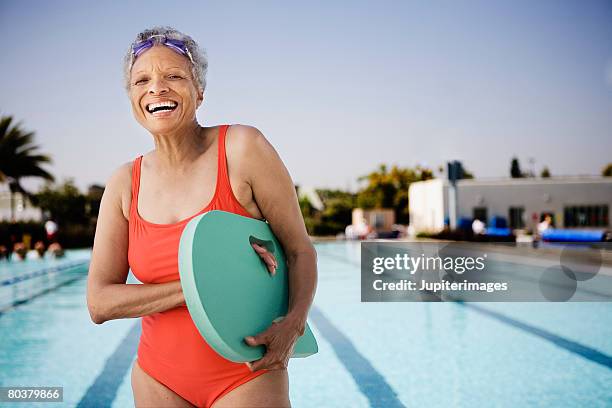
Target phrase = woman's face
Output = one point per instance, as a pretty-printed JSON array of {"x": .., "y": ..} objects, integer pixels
[{"x": 160, "y": 74}]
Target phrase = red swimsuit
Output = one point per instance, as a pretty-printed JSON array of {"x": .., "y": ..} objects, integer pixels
[{"x": 171, "y": 349}]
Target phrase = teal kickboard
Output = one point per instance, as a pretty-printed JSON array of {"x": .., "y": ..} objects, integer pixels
[{"x": 227, "y": 287}]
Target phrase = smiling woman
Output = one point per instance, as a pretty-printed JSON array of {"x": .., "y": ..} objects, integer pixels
[
  {"x": 177, "y": 41},
  {"x": 156, "y": 62},
  {"x": 145, "y": 207}
]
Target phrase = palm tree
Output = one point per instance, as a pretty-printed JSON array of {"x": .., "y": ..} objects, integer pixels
[{"x": 18, "y": 158}]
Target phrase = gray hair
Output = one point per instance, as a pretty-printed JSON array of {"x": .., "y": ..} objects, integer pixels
[{"x": 200, "y": 62}]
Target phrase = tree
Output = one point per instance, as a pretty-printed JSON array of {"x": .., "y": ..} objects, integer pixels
[
  {"x": 93, "y": 199},
  {"x": 308, "y": 213},
  {"x": 389, "y": 189},
  {"x": 18, "y": 159},
  {"x": 65, "y": 203},
  {"x": 336, "y": 214},
  {"x": 607, "y": 171},
  {"x": 467, "y": 174},
  {"x": 380, "y": 190},
  {"x": 338, "y": 206},
  {"x": 545, "y": 172},
  {"x": 515, "y": 169}
]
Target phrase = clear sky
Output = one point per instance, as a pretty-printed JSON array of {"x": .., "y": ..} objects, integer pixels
[{"x": 337, "y": 87}]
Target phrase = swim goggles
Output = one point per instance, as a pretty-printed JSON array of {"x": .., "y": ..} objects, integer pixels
[{"x": 177, "y": 45}]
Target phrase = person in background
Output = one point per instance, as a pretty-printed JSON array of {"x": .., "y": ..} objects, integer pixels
[
  {"x": 541, "y": 228},
  {"x": 38, "y": 252},
  {"x": 4, "y": 253},
  {"x": 39, "y": 247},
  {"x": 51, "y": 228},
  {"x": 363, "y": 229},
  {"x": 20, "y": 251},
  {"x": 478, "y": 227},
  {"x": 545, "y": 224},
  {"x": 56, "y": 250},
  {"x": 14, "y": 231}
]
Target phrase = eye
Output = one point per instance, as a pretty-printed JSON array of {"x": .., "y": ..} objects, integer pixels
[
  {"x": 138, "y": 82},
  {"x": 173, "y": 76}
]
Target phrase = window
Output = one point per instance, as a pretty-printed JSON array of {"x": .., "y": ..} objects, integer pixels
[
  {"x": 515, "y": 215},
  {"x": 480, "y": 213},
  {"x": 586, "y": 216}
]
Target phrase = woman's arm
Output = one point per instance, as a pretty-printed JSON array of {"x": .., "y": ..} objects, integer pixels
[
  {"x": 108, "y": 295},
  {"x": 275, "y": 195}
]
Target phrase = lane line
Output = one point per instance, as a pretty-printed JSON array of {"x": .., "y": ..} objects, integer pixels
[
  {"x": 371, "y": 383},
  {"x": 581, "y": 350},
  {"x": 103, "y": 391}
]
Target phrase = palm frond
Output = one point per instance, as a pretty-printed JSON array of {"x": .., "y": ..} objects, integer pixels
[{"x": 19, "y": 156}]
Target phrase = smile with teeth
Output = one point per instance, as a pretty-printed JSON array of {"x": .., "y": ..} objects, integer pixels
[{"x": 165, "y": 106}]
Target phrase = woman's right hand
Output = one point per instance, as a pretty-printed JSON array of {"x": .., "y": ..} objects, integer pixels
[{"x": 267, "y": 257}]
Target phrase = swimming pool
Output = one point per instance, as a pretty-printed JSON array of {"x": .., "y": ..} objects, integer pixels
[{"x": 370, "y": 354}]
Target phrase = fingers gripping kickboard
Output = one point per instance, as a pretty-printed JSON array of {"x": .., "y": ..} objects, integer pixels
[{"x": 227, "y": 287}]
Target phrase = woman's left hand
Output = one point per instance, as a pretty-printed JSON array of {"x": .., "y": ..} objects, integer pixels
[{"x": 279, "y": 340}]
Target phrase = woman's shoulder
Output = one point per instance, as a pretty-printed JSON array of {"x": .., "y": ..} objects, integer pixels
[
  {"x": 246, "y": 140},
  {"x": 249, "y": 152},
  {"x": 119, "y": 186},
  {"x": 121, "y": 177},
  {"x": 246, "y": 133}
]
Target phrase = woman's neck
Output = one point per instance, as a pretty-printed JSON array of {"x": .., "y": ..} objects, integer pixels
[{"x": 177, "y": 152}]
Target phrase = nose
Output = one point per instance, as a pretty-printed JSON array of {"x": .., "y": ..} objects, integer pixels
[{"x": 158, "y": 86}]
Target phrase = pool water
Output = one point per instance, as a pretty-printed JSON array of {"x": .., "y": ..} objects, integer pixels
[{"x": 370, "y": 354}]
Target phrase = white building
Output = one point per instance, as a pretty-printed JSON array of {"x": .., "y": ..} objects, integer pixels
[
  {"x": 573, "y": 202},
  {"x": 24, "y": 211}
]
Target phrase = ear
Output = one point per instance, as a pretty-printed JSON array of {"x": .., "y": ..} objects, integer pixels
[{"x": 200, "y": 97}]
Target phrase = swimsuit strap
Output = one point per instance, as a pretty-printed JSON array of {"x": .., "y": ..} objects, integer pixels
[
  {"x": 135, "y": 183},
  {"x": 222, "y": 171},
  {"x": 226, "y": 199}
]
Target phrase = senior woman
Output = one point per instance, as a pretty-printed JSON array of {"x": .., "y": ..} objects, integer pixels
[{"x": 147, "y": 203}]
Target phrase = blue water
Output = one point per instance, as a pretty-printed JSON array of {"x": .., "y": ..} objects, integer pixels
[{"x": 370, "y": 354}]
